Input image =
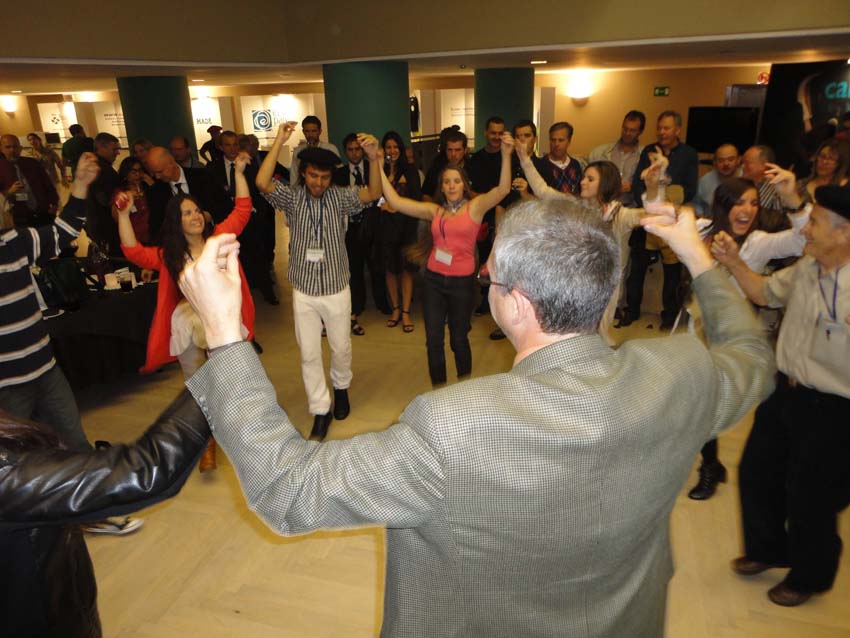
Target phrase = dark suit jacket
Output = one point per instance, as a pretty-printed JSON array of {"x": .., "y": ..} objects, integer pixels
[
  {"x": 42, "y": 188},
  {"x": 100, "y": 225},
  {"x": 218, "y": 169},
  {"x": 202, "y": 187}
]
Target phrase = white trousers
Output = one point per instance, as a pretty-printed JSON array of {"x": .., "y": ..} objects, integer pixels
[{"x": 309, "y": 313}]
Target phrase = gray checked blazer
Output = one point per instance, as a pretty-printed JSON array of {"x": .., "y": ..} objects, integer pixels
[{"x": 530, "y": 503}]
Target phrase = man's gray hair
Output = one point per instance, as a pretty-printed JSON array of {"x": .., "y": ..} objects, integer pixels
[{"x": 563, "y": 258}]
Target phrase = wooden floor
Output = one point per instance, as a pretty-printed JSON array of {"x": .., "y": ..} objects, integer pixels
[{"x": 203, "y": 565}]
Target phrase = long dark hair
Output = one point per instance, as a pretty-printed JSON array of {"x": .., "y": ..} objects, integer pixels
[
  {"x": 726, "y": 196},
  {"x": 124, "y": 170},
  {"x": 401, "y": 164},
  {"x": 610, "y": 182},
  {"x": 22, "y": 435},
  {"x": 175, "y": 248}
]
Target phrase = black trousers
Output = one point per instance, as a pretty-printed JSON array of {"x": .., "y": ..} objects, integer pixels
[
  {"x": 640, "y": 261},
  {"x": 452, "y": 299},
  {"x": 362, "y": 254},
  {"x": 795, "y": 480},
  {"x": 253, "y": 253}
]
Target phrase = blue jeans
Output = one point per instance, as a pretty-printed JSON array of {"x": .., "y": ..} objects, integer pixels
[{"x": 48, "y": 400}]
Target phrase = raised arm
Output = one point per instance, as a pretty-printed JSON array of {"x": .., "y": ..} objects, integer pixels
[
  {"x": 372, "y": 192},
  {"x": 121, "y": 209},
  {"x": 45, "y": 486},
  {"x": 541, "y": 189},
  {"x": 420, "y": 210},
  {"x": 265, "y": 174},
  {"x": 652, "y": 174},
  {"x": 239, "y": 217},
  {"x": 479, "y": 205}
]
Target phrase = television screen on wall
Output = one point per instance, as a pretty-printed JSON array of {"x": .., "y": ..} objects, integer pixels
[{"x": 711, "y": 126}]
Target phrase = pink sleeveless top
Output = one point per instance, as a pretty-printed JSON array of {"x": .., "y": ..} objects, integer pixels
[{"x": 455, "y": 235}]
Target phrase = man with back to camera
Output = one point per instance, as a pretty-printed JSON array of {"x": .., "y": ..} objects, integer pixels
[
  {"x": 727, "y": 163},
  {"x": 624, "y": 153},
  {"x": 533, "y": 502},
  {"x": 311, "y": 126},
  {"x": 317, "y": 215},
  {"x": 794, "y": 476}
]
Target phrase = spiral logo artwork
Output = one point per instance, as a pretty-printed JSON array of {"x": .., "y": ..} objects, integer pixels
[{"x": 262, "y": 120}]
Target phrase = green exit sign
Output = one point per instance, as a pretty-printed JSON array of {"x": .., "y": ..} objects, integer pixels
[{"x": 661, "y": 91}]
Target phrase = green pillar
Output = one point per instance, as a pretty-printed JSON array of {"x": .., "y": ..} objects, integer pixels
[
  {"x": 371, "y": 97},
  {"x": 508, "y": 93},
  {"x": 157, "y": 108}
]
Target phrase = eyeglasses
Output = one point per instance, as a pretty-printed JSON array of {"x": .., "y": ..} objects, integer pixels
[{"x": 484, "y": 280}]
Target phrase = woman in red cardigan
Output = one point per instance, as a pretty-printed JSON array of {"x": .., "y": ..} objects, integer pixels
[{"x": 176, "y": 331}]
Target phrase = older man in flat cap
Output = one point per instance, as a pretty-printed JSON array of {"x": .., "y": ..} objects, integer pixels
[
  {"x": 317, "y": 214},
  {"x": 794, "y": 473}
]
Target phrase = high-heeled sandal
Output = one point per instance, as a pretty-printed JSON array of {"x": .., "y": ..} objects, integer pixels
[
  {"x": 392, "y": 323},
  {"x": 407, "y": 327}
]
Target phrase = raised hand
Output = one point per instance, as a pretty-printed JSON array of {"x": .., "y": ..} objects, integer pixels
[
  {"x": 242, "y": 160},
  {"x": 214, "y": 288},
  {"x": 508, "y": 143},
  {"x": 370, "y": 145},
  {"x": 123, "y": 203},
  {"x": 680, "y": 233},
  {"x": 87, "y": 169},
  {"x": 285, "y": 130},
  {"x": 785, "y": 183},
  {"x": 724, "y": 248}
]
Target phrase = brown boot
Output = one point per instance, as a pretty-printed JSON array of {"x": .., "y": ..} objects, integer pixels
[{"x": 208, "y": 457}]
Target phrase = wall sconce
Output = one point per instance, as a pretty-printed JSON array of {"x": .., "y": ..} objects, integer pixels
[
  {"x": 9, "y": 104},
  {"x": 580, "y": 86}
]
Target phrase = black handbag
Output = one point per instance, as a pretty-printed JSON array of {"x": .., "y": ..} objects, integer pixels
[{"x": 62, "y": 283}]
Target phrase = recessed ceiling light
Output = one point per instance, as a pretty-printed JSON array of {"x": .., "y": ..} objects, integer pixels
[
  {"x": 539, "y": 61},
  {"x": 194, "y": 80},
  {"x": 19, "y": 91}
]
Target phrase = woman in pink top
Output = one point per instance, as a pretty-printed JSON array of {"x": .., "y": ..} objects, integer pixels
[{"x": 448, "y": 294}]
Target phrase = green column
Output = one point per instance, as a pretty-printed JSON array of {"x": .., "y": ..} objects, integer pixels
[
  {"x": 371, "y": 97},
  {"x": 157, "y": 108},
  {"x": 508, "y": 93}
]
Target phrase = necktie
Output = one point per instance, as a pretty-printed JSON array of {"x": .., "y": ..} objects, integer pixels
[
  {"x": 232, "y": 188},
  {"x": 358, "y": 176}
]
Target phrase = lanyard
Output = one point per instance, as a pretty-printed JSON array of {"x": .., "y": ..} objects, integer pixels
[
  {"x": 833, "y": 312},
  {"x": 317, "y": 228},
  {"x": 442, "y": 225}
]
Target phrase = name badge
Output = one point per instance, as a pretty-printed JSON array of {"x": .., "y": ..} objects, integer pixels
[
  {"x": 443, "y": 256},
  {"x": 21, "y": 196},
  {"x": 315, "y": 255}
]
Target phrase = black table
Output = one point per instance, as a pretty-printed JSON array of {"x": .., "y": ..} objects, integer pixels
[{"x": 106, "y": 337}]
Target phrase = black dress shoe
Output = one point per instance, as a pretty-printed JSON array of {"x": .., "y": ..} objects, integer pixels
[
  {"x": 321, "y": 423},
  {"x": 782, "y": 594},
  {"x": 625, "y": 320},
  {"x": 341, "y": 405},
  {"x": 497, "y": 334},
  {"x": 710, "y": 474}
]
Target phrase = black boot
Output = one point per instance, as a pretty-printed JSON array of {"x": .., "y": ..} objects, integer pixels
[
  {"x": 710, "y": 474},
  {"x": 321, "y": 423},
  {"x": 341, "y": 405}
]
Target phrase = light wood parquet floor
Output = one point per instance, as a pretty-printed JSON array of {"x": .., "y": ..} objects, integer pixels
[{"x": 203, "y": 565}]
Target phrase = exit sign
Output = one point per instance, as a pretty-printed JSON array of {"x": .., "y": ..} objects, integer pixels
[{"x": 661, "y": 91}]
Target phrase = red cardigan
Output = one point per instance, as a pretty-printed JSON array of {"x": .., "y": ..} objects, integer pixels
[{"x": 169, "y": 294}]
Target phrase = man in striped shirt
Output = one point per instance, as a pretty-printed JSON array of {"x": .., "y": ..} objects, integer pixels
[
  {"x": 317, "y": 214},
  {"x": 31, "y": 384}
]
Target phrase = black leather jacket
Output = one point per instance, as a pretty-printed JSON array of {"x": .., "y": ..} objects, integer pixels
[{"x": 47, "y": 584}]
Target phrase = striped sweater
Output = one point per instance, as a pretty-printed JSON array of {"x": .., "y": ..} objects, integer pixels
[{"x": 25, "y": 352}]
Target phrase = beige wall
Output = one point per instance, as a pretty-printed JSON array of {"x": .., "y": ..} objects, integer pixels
[
  {"x": 617, "y": 92},
  {"x": 17, "y": 123},
  {"x": 278, "y": 31}
]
